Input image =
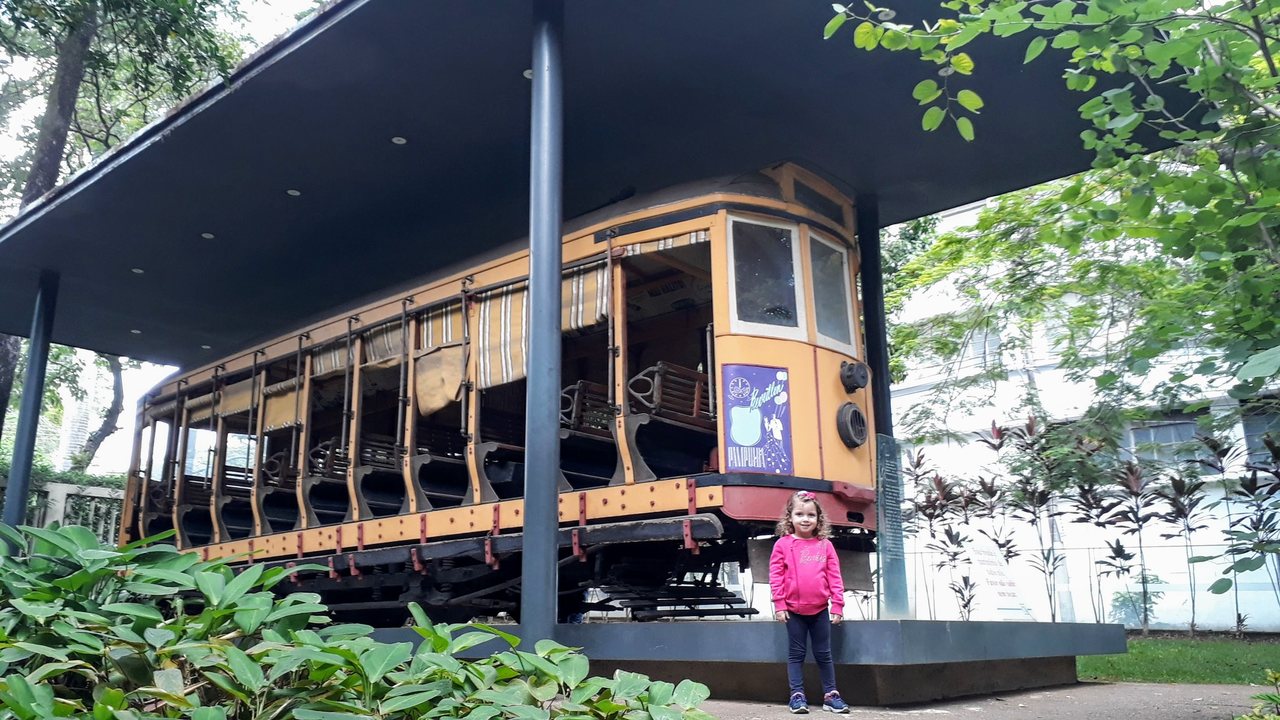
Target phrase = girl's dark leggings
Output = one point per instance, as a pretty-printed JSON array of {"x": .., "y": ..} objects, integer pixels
[{"x": 800, "y": 629}]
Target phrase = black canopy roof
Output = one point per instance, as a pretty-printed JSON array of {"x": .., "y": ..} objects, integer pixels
[{"x": 656, "y": 93}]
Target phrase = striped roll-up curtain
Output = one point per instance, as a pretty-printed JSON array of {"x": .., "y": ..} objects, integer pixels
[
  {"x": 502, "y": 345},
  {"x": 442, "y": 325},
  {"x": 330, "y": 359},
  {"x": 281, "y": 407},
  {"x": 236, "y": 398},
  {"x": 163, "y": 411},
  {"x": 584, "y": 297},
  {"x": 502, "y": 342},
  {"x": 201, "y": 408},
  {"x": 384, "y": 345},
  {"x": 667, "y": 243}
]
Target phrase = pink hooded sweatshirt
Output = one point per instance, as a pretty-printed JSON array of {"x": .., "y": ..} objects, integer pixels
[{"x": 804, "y": 574}]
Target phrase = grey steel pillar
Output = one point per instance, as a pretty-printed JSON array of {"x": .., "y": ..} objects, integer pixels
[
  {"x": 24, "y": 442},
  {"x": 893, "y": 567},
  {"x": 538, "y": 587}
]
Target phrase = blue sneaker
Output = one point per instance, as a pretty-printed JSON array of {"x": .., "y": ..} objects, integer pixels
[
  {"x": 832, "y": 702},
  {"x": 798, "y": 704}
]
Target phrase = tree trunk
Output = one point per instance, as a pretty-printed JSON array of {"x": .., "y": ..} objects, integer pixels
[
  {"x": 10, "y": 348},
  {"x": 80, "y": 461},
  {"x": 52, "y": 141},
  {"x": 47, "y": 161}
]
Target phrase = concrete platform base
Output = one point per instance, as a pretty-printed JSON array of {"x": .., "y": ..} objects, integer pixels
[
  {"x": 880, "y": 662},
  {"x": 860, "y": 684}
]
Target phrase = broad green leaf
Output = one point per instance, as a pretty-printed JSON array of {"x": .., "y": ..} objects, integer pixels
[
  {"x": 483, "y": 712},
  {"x": 170, "y": 681},
  {"x": 545, "y": 690},
  {"x": 970, "y": 100},
  {"x": 242, "y": 583},
  {"x": 933, "y": 117},
  {"x": 1037, "y": 46},
  {"x": 212, "y": 584},
  {"x": 381, "y": 659},
  {"x": 926, "y": 91},
  {"x": 1243, "y": 565},
  {"x": 324, "y": 715},
  {"x": 627, "y": 685},
  {"x": 965, "y": 127},
  {"x": 865, "y": 36},
  {"x": 834, "y": 24},
  {"x": 962, "y": 63},
  {"x": 51, "y": 670},
  {"x": 137, "y": 610},
  {"x": 39, "y": 611},
  {"x": 525, "y": 712},
  {"x": 158, "y": 636},
  {"x": 1220, "y": 586},
  {"x": 1265, "y": 364},
  {"x": 510, "y": 639},
  {"x": 246, "y": 671},
  {"x": 660, "y": 693},
  {"x": 540, "y": 664},
  {"x": 44, "y": 650},
  {"x": 468, "y": 640},
  {"x": 690, "y": 694},
  {"x": 662, "y": 712},
  {"x": 573, "y": 669},
  {"x": 216, "y": 712},
  {"x": 404, "y": 702}
]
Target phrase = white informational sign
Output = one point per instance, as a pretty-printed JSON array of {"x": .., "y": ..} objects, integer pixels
[{"x": 999, "y": 596}]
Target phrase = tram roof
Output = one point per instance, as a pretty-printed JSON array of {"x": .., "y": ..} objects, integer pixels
[{"x": 656, "y": 93}]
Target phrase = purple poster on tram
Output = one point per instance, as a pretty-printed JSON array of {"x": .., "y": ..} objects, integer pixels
[{"x": 758, "y": 430}]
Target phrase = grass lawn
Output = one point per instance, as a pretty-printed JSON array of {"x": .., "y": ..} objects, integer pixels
[{"x": 1179, "y": 660}]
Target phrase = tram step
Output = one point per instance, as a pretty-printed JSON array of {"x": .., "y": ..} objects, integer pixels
[
  {"x": 646, "y": 615},
  {"x": 682, "y": 602}
]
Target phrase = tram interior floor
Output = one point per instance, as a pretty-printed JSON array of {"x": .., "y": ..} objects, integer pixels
[{"x": 878, "y": 663}]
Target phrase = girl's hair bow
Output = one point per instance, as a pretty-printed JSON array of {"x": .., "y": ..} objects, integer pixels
[{"x": 806, "y": 495}]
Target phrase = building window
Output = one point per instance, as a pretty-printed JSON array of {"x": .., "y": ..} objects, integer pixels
[
  {"x": 982, "y": 350},
  {"x": 1167, "y": 441},
  {"x": 1256, "y": 426}
]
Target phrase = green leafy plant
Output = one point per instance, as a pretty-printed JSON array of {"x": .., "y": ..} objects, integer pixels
[
  {"x": 1268, "y": 707},
  {"x": 146, "y": 632}
]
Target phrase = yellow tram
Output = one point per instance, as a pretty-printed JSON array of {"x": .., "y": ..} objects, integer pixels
[{"x": 711, "y": 366}]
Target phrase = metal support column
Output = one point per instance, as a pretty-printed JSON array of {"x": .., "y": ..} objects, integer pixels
[
  {"x": 893, "y": 568},
  {"x": 538, "y": 588},
  {"x": 24, "y": 443}
]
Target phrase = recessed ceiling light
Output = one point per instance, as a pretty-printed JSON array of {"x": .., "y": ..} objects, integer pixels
[
  {"x": 399, "y": 140},
  {"x": 528, "y": 74},
  {"x": 137, "y": 271},
  {"x": 207, "y": 236},
  {"x": 206, "y": 347},
  {"x": 292, "y": 193},
  {"x": 136, "y": 332}
]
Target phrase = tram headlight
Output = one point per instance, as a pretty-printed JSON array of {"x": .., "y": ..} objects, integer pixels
[
  {"x": 854, "y": 375},
  {"x": 851, "y": 424}
]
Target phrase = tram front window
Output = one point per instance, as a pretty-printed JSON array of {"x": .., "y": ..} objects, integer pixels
[
  {"x": 831, "y": 291},
  {"x": 764, "y": 275}
]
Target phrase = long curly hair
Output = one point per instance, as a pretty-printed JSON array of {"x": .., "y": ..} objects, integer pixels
[{"x": 784, "y": 524}]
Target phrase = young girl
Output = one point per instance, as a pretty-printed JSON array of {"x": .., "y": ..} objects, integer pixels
[{"x": 804, "y": 575}]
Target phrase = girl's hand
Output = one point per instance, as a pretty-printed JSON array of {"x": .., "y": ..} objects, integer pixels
[
  {"x": 836, "y": 619},
  {"x": 780, "y": 616}
]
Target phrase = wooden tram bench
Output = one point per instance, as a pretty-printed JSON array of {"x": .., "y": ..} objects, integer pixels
[
  {"x": 441, "y": 449},
  {"x": 194, "y": 523},
  {"x": 677, "y": 399},
  {"x": 236, "y": 486},
  {"x": 326, "y": 475},
  {"x": 589, "y": 453},
  {"x": 277, "y": 475},
  {"x": 585, "y": 411}
]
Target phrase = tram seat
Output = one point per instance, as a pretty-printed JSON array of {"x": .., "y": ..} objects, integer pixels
[
  {"x": 194, "y": 514},
  {"x": 378, "y": 477},
  {"x": 237, "y": 482},
  {"x": 441, "y": 450},
  {"x": 671, "y": 430},
  {"x": 585, "y": 411},
  {"x": 674, "y": 394},
  {"x": 277, "y": 505},
  {"x": 277, "y": 471},
  {"x": 324, "y": 487}
]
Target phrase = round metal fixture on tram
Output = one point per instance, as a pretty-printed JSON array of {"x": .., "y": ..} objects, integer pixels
[
  {"x": 851, "y": 424},
  {"x": 854, "y": 375}
]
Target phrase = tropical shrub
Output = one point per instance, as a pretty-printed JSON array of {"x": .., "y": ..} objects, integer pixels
[{"x": 145, "y": 631}]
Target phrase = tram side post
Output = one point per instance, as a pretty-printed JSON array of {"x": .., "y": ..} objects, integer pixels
[
  {"x": 539, "y": 588},
  {"x": 893, "y": 568},
  {"x": 24, "y": 445}
]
